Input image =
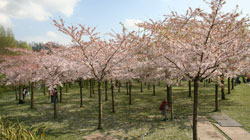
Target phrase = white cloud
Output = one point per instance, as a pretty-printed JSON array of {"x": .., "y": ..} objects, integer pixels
[
  {"x": 5, "y": 21},
  {"x": 64, "y": 6},
  {"x": 34, "y": 9},
  {"x": 51, "y": 34},
  {"x": 131, "y": 24}
]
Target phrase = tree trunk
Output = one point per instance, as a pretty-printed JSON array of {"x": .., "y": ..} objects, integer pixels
[
  {"x": 16, "y": 93},
  {"x": 54, "y": 100},
  {"x": 170, "y": 100},
  {"x": 141, "y": 87},
  {"x": 232, "y": 83},
  {"x": 127, "y": 87},
  {"x": 20, "y": 93},
  {"x": 60, "y": 94},
  {"x": 80, "y": 84},
  {"x": 67, "y": 88},
  {"x": 189, "y": 89},
  {"x": 216, "y": 98},
  {"x": 228, "y": 85},
  {"x": 93, "y": 86},
  {"x": 90, "y": 88},
  {"x": 112, "y": 94},
  {"x": 32, "y": 96},
  {"x": 148, "y": 86},
  {"x": 106, "y": 90},
  {"x": 222, "y": 89},
  {"x": 159, "y": 83},
  {"x": 100, "y": 105},
  {"x": 171, "y": 104},
  {"x": 69, "y": 84},
  {"x": 168, "y": 93},
  {"x": 195, "y": 109},
  {"x": 153, "y": 89},
  {"x": 130, "y": 93}
]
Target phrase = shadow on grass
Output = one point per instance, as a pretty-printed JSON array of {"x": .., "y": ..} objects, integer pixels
[{"x": 129, "y": 121}]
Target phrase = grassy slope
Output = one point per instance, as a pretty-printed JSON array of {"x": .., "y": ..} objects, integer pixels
[{"x": 130, "y": 121}]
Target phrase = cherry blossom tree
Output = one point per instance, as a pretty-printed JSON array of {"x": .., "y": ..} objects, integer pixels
[
  {"x": 198, "y": 43},
  {"x": 99, "y": 56}
]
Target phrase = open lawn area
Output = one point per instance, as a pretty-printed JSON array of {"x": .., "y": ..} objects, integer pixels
[{"x": 129, "y": 122}]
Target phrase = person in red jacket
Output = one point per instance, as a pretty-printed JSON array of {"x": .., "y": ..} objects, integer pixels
[{"x": 164, "y": 109}]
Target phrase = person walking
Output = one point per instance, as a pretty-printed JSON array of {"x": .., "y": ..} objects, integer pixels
[{"x": 164, "y": 109}]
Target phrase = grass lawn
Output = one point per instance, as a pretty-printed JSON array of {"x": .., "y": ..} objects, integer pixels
[{"x": 129, "y": 122}]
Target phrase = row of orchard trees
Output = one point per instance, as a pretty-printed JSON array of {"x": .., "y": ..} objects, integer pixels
[{"x": 195, "y": 46}]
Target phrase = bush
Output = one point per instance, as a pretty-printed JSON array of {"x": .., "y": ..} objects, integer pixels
[{"x": 15, "y": 131}]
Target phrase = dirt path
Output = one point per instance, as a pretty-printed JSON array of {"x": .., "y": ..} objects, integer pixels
[{"x": 207, "y": 131}]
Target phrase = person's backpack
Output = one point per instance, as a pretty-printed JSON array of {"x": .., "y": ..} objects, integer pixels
[{"x": 162, "y": 105}]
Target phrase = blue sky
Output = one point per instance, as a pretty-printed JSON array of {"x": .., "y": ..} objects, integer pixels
[{"x": 31, "y": 20}]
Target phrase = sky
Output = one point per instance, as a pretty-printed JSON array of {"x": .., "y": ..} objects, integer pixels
[{"x": 31, "y": 20}]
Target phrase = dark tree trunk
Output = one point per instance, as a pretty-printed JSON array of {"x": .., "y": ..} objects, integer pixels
[
  {"x": 90, "y": 88},
  {"x": 70, "y": 84},
  {"x": 222, "y": 89},
  {"x": 93, "y": 86},
  {"x": 54, "y": 101},
  {"x": 80, "y": 84},
  {"x": 216, "y": 98},
  {"x": 195, "y": 109},
  {"x": 60, "y": 93},
  {"x": 127, "y": 87},
  {"x": 232, "y": 83},
  {"x": 170, "y": 100},
  {"x": 130, "y": 93},
  {"x": 112, "y": 94},
  {"x": 168, "y": 93},
  {"x": 159, "y": 83},
  {"x": 100, "y": 105},
  {"x": 32, "y": 96},
  {"x": 106, "y": 90},
  {"x": 141, "y": 87},
  {"x": 20, "y": 93},
  {"x": 228, "y": 85},
  {"x": 16, "y": 93},
  {"x": 189, "y": 89},
  {"x": 67, "y": 88},
  {"x": 153, "y": 89}
]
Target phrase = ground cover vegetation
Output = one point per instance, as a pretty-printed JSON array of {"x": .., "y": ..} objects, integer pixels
[{"x": 198, "y": 46}]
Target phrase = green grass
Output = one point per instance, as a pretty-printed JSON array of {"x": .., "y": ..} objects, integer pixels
[{"x": 129, "y": 122}]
